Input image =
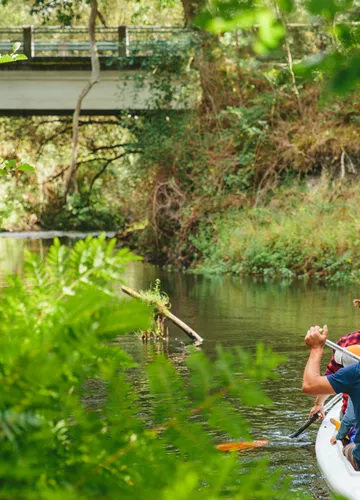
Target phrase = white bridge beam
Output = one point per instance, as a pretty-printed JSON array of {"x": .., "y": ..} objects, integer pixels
[{"x": 49, "y": 91}]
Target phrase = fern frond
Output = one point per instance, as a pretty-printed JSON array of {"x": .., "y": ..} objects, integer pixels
[
  {"x": 36, "y": 272},
  {"x": 57, "y": 261},
  {"x": 13, "y": 424}
]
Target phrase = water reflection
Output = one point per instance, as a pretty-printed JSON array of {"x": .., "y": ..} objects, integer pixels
[
  {"x": 235, "y": 312},
  {"x": 12, "y": 253}
]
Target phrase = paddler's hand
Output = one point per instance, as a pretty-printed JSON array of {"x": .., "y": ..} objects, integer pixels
[
  {"x": 333, "y": 440},
  {"x": 317, "y": 409},
  {"x": 316, "y": 337}
]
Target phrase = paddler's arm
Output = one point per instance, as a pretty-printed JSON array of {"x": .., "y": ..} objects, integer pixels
[
  {"x": 318, "y": 406},
  {"x": 314, "y": 383}
]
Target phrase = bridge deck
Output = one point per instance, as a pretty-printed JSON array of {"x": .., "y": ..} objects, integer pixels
[
  {"x": 125, "y": 41},
  {"x": 58, "y": 67}
]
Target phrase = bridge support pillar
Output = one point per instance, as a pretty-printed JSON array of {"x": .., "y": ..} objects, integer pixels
[
  {"x": 28, "y": 37},
  {"x": 123, "y": 41}
]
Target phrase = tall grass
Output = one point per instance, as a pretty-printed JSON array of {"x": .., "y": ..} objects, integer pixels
[{"x": 298, "y": 234}]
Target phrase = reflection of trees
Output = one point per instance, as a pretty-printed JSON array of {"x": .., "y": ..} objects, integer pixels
[
  {"x": 276, "y": 313},
  {"x": 237, "y": 311},
  {"x": 12, "y": 253},
  {"x": 231, "y": 310},
  {"x": 144, "y": 353}
]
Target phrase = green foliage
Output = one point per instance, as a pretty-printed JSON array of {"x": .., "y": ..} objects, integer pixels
[
  {"x": 115, "y": 12},
  {"x": 223, "y": 16},
  {"x": 327, "y": 8},
  {"x": 65, "y": 12},
  {"x": 70, "y": 422},
  {"x": 155, "y": 297},
  {"x": 7, "y": 58},
  {"x": 78, "y": 214},
  {"x": 7, "y": 166},
  {"x": 14, "y": 206},
  {"x": 159, "y": 301},
  {"x": 286, "y": 6},
  {"x": 297, "y": 235},
  {"x": 160, "y": 64},
  {"x": 339, "y": 65}
]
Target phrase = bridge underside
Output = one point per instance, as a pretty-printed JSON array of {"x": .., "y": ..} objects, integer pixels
[{"x": 55, "y": 92}]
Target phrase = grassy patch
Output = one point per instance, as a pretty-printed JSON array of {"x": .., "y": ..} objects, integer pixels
[{"x": 300, "y": 233}]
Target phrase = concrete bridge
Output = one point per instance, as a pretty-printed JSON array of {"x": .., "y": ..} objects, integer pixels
[{"x": 58, "y": 67}]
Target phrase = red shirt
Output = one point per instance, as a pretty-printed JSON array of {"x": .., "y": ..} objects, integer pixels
[{"x": 333, "y": 366}]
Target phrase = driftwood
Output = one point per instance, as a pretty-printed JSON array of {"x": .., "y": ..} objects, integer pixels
[{"x": 165, "y": 312}]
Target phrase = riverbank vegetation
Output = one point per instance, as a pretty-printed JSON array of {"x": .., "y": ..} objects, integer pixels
[{"x": 261, "y": 178}]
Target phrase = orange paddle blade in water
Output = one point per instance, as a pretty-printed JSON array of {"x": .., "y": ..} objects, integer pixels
[{"x": 241, "y": 445}]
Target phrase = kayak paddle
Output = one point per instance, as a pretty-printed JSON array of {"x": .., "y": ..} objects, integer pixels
[
  {"x": 241, "y": 445},
  {"x": 335, "y": 399},
  {"x": 307, "y": 424}
]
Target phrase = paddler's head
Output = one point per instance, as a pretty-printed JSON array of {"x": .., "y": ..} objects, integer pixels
[{"x": 343, "y": 359}]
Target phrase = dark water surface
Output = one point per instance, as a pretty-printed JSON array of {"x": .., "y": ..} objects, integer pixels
[{"x": 236, "y": 312}]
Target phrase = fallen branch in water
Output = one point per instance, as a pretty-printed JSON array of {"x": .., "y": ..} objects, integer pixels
[{"x": 164, "y": 311}]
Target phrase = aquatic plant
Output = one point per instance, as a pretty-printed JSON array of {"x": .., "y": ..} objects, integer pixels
[{"x": 159, "y": 301}]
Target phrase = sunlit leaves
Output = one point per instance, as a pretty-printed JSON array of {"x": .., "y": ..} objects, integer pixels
[
  {"x": 220, "y": 16},
  {"x": 12, "y": 165},
  {"x": 338, "y": 66},
  {"x": 25, "y": 167},
  {"x": 14, "y": 56},
  {"x": 270, "y": 32},
  {"x": 65, "y": 11},
  {"x": 342, "y": 70},
  {"x": 95, "y": 257}
]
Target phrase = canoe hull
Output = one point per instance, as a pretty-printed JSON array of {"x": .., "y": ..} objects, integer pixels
[{"x": 337, "y": 471}]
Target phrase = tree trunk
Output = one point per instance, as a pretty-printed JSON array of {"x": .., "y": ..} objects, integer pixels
[
  {"x": 191, "y": 9},
  {"x": 94, "y": 78},
  {"x": 204, "y": 59}
]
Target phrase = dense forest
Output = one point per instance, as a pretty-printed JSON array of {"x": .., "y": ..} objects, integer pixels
[{"x": 259, "y": 177}]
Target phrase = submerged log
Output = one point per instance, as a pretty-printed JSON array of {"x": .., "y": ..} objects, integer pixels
[{"x": 165, "y": 312}]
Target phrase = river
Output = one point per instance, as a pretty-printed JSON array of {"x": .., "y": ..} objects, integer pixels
[{"x": 242, "y": 312}]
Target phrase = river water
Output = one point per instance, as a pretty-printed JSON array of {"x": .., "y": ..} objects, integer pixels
[{"x": 241, "y": 312}]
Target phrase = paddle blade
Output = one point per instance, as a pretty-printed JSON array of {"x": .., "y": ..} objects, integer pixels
[
  {"x": 337, "y": 425},
  {"x": 241, "y": 445}
]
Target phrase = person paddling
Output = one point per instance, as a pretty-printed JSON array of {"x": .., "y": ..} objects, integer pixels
[
  {"x": 345, "y": 380},
  {"x": 351, "y": 339},
  {"x": 346, "y": 430}
]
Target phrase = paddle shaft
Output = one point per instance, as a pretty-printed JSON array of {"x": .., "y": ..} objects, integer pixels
[
  {"x": 307, "y": 424},
  {"x": 342, "y": 349}
]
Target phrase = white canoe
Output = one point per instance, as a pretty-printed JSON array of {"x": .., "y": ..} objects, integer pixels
[{"x": 337, "y": 471}]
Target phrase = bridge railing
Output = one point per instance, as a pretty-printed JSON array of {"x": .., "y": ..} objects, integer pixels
[{"x": 124, "y": 41}]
